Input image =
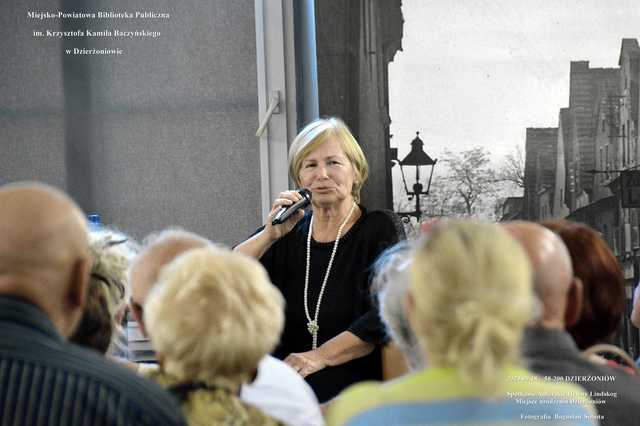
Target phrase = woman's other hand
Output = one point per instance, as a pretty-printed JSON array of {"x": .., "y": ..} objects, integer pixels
[
  {"x": 306, "y": 363},
  {"x": 342, "y": 348}
]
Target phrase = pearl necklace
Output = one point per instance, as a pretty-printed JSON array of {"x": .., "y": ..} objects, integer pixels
[{"x": 312, "y": 324}]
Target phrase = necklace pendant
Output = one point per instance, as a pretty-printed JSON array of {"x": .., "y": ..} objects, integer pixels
[{"x": 313, "y": 327}]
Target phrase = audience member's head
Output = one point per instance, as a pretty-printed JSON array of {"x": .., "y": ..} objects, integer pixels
[
  {"x": 558, "y": 291},
  {"x": 44, "y": 257},
  {"x": 108, "y": 291},
  {"x": 602, "y": 281},
  {"x": 213, "y": 315},
  {"x": 470, "y": 298},
  {"x": 635, "y": 312},
  {"x": 157, "y": 251},
  {"x": 391, "y": 282}
]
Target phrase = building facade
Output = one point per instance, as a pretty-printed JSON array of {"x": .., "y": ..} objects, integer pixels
[
  {"x": 540, "y": 172},
  {"x": 596, "y": 142}
]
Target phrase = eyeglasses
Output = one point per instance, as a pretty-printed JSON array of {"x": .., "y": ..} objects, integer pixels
[
  {"x": 115, "y": 283},
  {"x": 110, "y": 243}
]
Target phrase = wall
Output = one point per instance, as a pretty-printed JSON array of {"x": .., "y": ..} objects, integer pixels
[{"x": 160, "y": 135}]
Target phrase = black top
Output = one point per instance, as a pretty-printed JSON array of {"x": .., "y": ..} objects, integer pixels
[
  {"x": 616, "y": 393},
  {"x": 347, "y": 304},
  {"x": 46, "y": 381}
]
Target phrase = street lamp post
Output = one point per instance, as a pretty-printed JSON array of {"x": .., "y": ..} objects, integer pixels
[{"x": 417, "y": 158}]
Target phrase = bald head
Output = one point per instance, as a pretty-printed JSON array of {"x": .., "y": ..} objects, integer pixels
[
  {"x": 157, "y": 252},
  {"x": 551, "y": 263},
  {"x": 40, "y": 225},
  {"x": 43, "y": 250}
]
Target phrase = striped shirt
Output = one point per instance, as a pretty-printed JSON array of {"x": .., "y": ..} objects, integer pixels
[{"x": 46, "y": 381}]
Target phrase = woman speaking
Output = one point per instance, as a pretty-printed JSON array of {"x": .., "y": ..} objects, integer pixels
[{"x": 320, "y": 260}]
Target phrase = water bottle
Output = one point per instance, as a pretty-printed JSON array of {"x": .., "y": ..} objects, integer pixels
[{"x": 95, "y": 225}]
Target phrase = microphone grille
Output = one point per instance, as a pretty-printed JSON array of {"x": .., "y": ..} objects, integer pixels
[{"x": 305, "y": 193}]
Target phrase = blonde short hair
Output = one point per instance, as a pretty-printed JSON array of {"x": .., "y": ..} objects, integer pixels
[
  {"x": 317, "y": 133},
  {"x": 213, "y": 315},
  {"x": 108, "y": 291},
  {"x": 111, "y": 252},
  {"x": 472, "y": 296}
]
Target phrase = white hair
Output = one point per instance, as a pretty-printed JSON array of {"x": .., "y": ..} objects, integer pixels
[
  {"x": 213, "y": 315},
  {"x": 391, "y": 282}
]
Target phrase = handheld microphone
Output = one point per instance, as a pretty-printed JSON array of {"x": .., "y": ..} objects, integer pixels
[{"x": 286, "y": 212}]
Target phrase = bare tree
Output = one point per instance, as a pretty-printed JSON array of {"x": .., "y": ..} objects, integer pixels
[
  {"x": 465, "y": 185},
  {"x": 512, "y": 168},
  {"x": 472, "y": 178},
  {"x": 439, "y": 202}
]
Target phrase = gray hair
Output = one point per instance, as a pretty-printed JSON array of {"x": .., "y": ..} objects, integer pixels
[{"x": 391, "y": 282}]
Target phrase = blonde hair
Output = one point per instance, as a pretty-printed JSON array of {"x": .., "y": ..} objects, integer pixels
[
  {"x": 108, "y": 292},
  {"x": 472, "y": 296},
  {"x": 111, "y": 252},
  {"x": 317, "y": 133},
  {"x": 213, "y": 315}
]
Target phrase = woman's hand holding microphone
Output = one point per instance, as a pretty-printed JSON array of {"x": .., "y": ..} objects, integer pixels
[{"x": 286, "y": 199}]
